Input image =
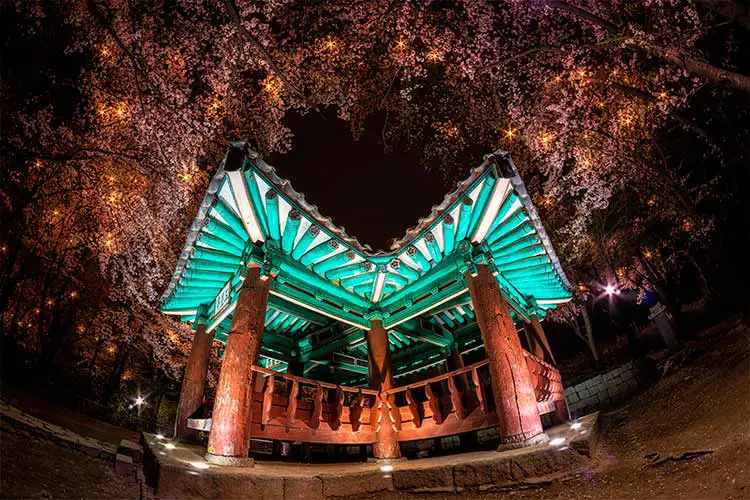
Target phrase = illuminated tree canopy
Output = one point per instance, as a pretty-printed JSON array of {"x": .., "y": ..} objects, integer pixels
[{"x": 104, "y": 169}]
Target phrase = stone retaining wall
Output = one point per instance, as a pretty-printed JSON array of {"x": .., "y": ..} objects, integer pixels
[{"x": 603, "y": 390}]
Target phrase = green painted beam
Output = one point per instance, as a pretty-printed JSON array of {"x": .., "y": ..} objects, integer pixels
[
  {"x": 251, "y": 184},
  {"x": 211, "y": 265},
  {"x": 224, "y": 232},
  {"x": 350, "y": 336},
  {"x": 444, "y": 272},
  {"x": 348, "y": 271},
  {"x": 521, "y": 255},
  {"x": 335, "y": 261},
  {"x": 511, "y": 203},
  {"x": 301, "y": 275},
  {"x": 215, "y": 242},
  {"x": 319, "y": 252},
  {"x": 404, "y": 270},
  {"x": 360, "y": 279},
  {"x": 426, "y": 304},
  {"x": 215, "y": 256},
  {"x": 418, "y": 257},
  {"x": 508, "y": 225},
  {"x": 525, "y": 263},
  {"x": 433, "y": 247},
  {"x": 464, "y": 218},
  {"x": 396, "y": 279},
  {"x": 287, "y": 307},
  {"x": 519, "y": 244},
  {"x": 305, "y": 241},
  {"x": 480, "y": 207},
  {"x": 272, "y": 215},
  {"x": 228, "y": 214},
  {"x": 449, "y": 235},
  {"x": 290, "y": 231}
]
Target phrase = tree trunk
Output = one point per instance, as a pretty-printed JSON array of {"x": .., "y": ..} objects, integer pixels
[
  {"x": 589, "y": 334},
  {"x": 113, "y": 382},
  {"x": 92, "y": 362}
]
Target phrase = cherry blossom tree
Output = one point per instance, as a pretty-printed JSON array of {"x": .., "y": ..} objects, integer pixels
[{"x": 581, "y": 92}]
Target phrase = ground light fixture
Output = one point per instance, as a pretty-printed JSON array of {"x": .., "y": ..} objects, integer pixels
[
  {"x": 386, "y": 468},
  {"x": 170, "y": 446},
  {"x": 556, "y": 441},
  {"x": 575, "y": 425}
]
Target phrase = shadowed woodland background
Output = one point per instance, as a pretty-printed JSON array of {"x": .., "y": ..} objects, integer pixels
[{"x": 629, "y": 124}]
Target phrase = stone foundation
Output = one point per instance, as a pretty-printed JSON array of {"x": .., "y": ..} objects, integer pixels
[
  {"x": 181, "y": 472},
  {"x": 603, "y": 391}
]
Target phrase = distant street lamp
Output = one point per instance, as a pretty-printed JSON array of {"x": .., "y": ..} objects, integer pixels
[
  {"x": 139, "y": 402},
  {"x": 611, "y": 290}
]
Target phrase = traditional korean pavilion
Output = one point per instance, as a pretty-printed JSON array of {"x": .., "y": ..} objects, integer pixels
[{"x": 328, "y": 341}]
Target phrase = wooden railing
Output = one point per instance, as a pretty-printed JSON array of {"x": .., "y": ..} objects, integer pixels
[
  {"x": 547, "y": 383},
  {"x": 452, "y": 403},
  {"x": 461, "y": 400},
  {"x": 290, "y": 408}
]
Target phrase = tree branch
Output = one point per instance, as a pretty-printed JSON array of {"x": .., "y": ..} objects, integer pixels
[
  {"x": 675, "y": 115},
  {"x": 678, "y": 57},
  {"x": 525, "y": 53},
  {"x": 701, "y": 68},
  {"x": 244, "y": 33},
  {"x": 583, "y": 14}
]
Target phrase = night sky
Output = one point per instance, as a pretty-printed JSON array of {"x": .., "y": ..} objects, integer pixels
[{"x": 375, "y": 195}]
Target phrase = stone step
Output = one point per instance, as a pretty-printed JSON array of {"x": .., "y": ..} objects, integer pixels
[{"x": 131, "y": 449}]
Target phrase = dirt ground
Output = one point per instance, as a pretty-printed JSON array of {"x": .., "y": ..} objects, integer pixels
[
  {"x": 704, "y": 406},
  {"x": 32, "y": 467},
  {"x": 35, "y": 405}
]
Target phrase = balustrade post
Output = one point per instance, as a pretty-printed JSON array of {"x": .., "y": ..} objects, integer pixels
[
  {"x": 381, "y": 379},
  {"x": 456, "y": 362},
  {"x": 534, "y": 347},
  {"x": 295, "y": 366},
  {"x": 515, "y": 402},
  {"x": 541, "y": 347},
  {"x": 194, "y": 380},
  {"x": 229, "y": 441}
]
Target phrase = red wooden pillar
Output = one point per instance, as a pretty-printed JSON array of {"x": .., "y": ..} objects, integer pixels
[
  {"x": 229, "y": 441},
  {"x": 515, "y": 402},
  {"x": 194, "y": 380},
  {"x": 381, "y": 378}
]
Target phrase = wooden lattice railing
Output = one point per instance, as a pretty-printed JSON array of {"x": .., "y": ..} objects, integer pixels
[
  {"x": 461, "y": 400},
  {"x": 547, "y": 383},
  {"x": 290, "y": 408},
  {"x": 451, "y": 403}
]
